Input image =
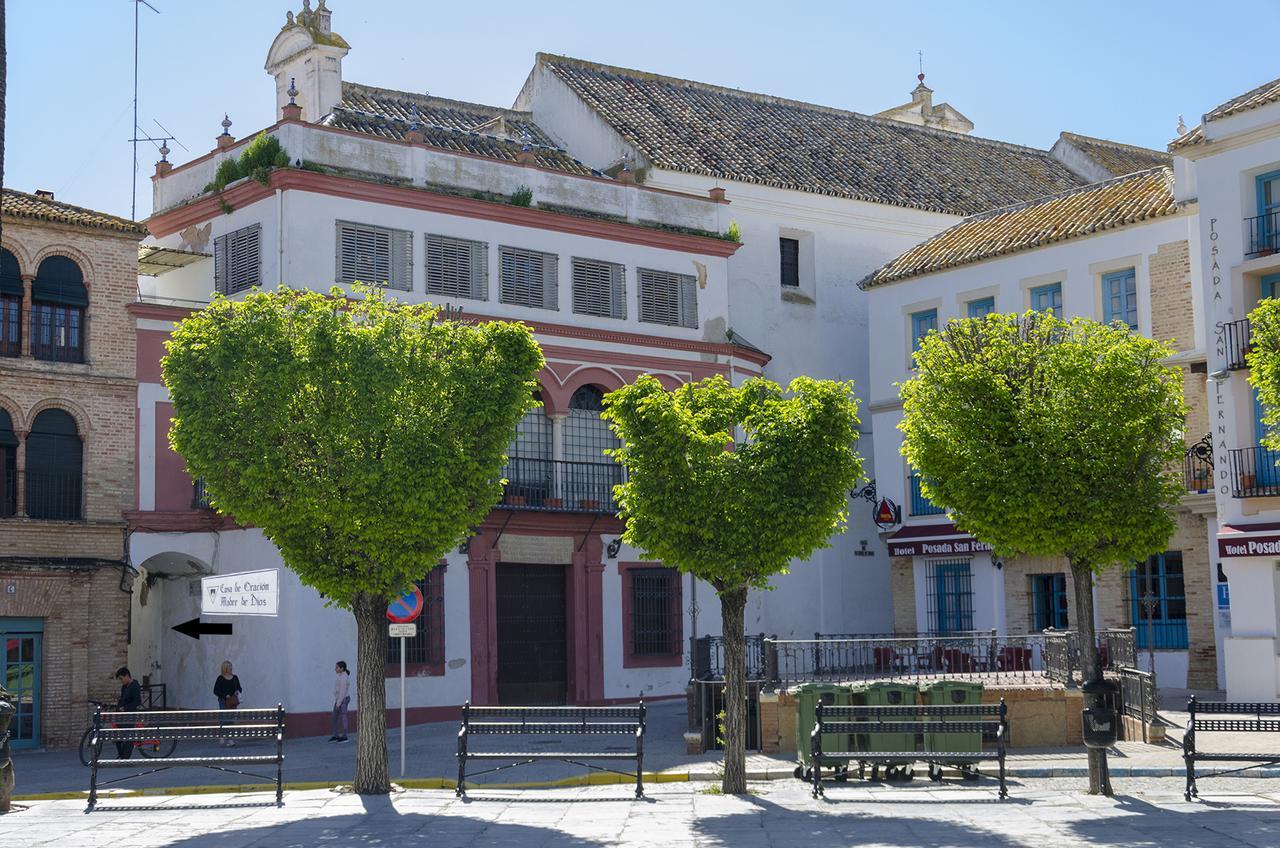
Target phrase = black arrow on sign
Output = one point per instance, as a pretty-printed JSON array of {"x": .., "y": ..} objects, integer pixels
[{"x": 195, "y": 628}]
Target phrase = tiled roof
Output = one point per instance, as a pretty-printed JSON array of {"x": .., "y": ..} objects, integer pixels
[
  {"x": 688, "y": 126},
  {"x": 1084, "y": 211},
  {"x": 1119, "y": 159},
  {"x": 449, "y": 125},
  {"x": 19, "y": 204},
  {"x": 1260, "y": 96}
]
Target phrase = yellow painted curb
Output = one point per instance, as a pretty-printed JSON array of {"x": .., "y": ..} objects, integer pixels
[{"x": 409, "y": 783}]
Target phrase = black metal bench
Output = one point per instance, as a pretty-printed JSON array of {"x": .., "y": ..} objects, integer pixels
[
  {"x": 551, "y": 721},
  {"x": 1254, "y": 724},
  {"x": 913, "y": 719},
  {"x": 187, "y": 725}
]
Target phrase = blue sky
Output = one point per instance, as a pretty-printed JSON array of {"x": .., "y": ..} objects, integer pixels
[{"x": 1021, "y": 72}]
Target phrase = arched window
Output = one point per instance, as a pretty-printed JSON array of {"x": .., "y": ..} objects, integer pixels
[
  {"x": 591, "y": 472},
  {"x": 54, "y": 461},
  {"x": 529, "y": 466},
  {"x": 58, "y": 301},
  {"x": 8, "y": 467},
  {"x": 10, "y": 305}
]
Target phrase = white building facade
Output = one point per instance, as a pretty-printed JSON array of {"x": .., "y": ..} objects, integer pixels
[{"x": 1230, "y": 163}]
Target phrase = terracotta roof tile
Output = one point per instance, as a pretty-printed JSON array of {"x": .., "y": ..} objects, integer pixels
[
  {"x": 1262, "y": 95},
  {"x": 1118, "y": 158},
  {"x": 19, "y": 204},
  {"x": 449, "y": 125},
  {"x": 681, "y": 125},
  {"x": 1101, "y": 206}
]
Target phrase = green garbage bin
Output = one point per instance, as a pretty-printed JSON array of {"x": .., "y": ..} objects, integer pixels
[
  {"x": 808, "y": 695},
  {"x": 953, "y": 693},
  {"x": 884, "y": 694}
]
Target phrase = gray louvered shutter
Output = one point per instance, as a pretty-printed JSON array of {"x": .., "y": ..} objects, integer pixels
[
  {"x": 220, "y": 265},
  {"x": 457, "y": 267},
  {"x": 374, "y": 255},
  {"x": 688, "y": 301},
  {"x": 237, "y": 260},
  {"x": 598, "y": 288},
  {"x": 401, "y": 260},
  {"x": 550, "y": 281}
]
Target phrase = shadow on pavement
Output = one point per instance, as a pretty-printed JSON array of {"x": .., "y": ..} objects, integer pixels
[{"x": 1200, "y": 824}]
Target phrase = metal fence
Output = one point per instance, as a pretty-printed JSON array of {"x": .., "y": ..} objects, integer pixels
[
  {"x": 1263, "y": 234},
  {"x": 1235, "y": 338},
  {"x": 1197, "y": 466},
  {"x": 1138, "y": 696},
  {"x": 555, "y": 485},
  {"x": 1254, "y": 473},
  {"x": 708, "y": 658},
  {"x": 1117, "y": 648}
]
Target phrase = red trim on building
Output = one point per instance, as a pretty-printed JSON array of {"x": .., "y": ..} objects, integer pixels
[
  {"x": 424, "y": 200},
  {"x": 630, "y": 659},
  {"x": 191, "y": 521}
]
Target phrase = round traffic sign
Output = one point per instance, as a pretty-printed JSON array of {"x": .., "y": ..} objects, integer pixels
[{"x": 407, "y": 607}]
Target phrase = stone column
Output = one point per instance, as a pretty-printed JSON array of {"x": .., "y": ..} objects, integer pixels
[{"x": 25, "y": 325}]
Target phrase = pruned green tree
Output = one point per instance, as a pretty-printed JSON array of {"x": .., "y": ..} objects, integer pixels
[
  {"x": 1045, "y": 438},
  {"x": 1263, "y": 358},
  {"x": 730, "y": 484},
  {"x": 364, "y": 437}
]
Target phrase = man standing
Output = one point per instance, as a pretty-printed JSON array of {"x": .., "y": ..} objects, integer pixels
[{"x": 130, "y": 700}]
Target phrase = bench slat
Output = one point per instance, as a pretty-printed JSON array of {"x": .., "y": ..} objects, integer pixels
[
  {"x": 1226, "y": 725},
  {"x": 911, "y": 710},
  {"x": 188, "y": 717},
  {"x": 187, "y": 761},
  {"x": 549, "y": 755},
  {"x": 549, "y": 729},
  {"x": 543, "y": 713},
  {"x": 1234, "y": 708},
  {"x": 868, "y": 756},
  {"x": 986, "y": 728},
  {"x": 231, "y": 731}
]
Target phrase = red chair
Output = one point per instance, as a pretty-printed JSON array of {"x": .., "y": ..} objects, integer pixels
[{"x": 1012, "y": 658}]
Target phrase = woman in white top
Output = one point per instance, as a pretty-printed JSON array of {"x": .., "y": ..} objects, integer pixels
[{"x": 341, "y": 698}]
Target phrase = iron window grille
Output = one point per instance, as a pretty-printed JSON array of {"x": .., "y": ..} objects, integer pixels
[
  {"x": 668, "y": 298},
  {"x": 375, "y": 256},
  {"x": 457, "y": 267},
  {"x": 8, "y": 467},
  {"x": 10, "y": 325},
  {"x": 599, "y": 288},
  {"x": 57, "y": 332},
  {"x": 949, "y": 594},
  {"x": 237, "y": 262},
  {"x": 1048, "y": 602},
  {"x": 1162, "y": 576},
  {"x": 427, "y": 647},
  {"x": 591, "y": 472},
  {"x": 789, "y": 252},
  {"x": 655, "y": 612},
  {"x": 54, "y": 468},
  {"x": 529, "y": 278}
]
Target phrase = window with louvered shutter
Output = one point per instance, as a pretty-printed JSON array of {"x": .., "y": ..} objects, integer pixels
[
  {"x": 457, "y": 267},
  {"x": 237, "y": 263},
  {"x": 667, "y": 298},
  {"x": 599, "y": 288},
  {"x": 374, "y": 256},
  {"x": 529, "y": 278}
]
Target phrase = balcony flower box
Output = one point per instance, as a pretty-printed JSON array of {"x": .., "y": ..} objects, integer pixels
[
  {"x": 554, "y": 503},
  {"x": 589, "y": 504},
  {"x": 1248, "y": 482},
  {"x": 514, "y": 500}
]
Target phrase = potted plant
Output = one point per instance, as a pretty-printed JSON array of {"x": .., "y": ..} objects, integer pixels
[
  {"x": 514, "y": 500},
  {"x": 1248, "y": 481},
  {"x": 554, "y": 503},
  {"x": 589, "y": 504}
]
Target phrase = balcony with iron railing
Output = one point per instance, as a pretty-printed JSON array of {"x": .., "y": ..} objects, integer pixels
[
  {"x": 1197, "y": 466},
  {"x": 54, "y": 495},
  {"x": 560, "y": 486},
  {"x": 1262, "y": 234},
  {"x": 921, "y": 505},
  {"x": 1235, "y": 337},
  {"x": 1254, "y": 473}
]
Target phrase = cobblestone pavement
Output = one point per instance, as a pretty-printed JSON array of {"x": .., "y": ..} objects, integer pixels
[{"x": 1043, "y": 812}]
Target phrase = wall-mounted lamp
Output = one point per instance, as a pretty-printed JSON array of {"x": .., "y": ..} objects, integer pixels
[
  {"x": 1219, "y": 376},
  {"x": 997, "y": 562}
]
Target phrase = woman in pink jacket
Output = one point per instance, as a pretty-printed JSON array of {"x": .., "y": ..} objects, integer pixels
[{"x": 341, "y": 698}]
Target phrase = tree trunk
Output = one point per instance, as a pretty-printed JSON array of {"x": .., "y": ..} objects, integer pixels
[
  {"x": 371, "y": 695},
  {"x": 1090, "y": 667},
  {"x": 733, "y": 607}
]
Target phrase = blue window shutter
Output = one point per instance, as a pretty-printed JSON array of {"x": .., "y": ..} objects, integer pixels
[
  {"x": 1120, "y": 298},
  {"x": 982, "y": 306},
  {"x": 1047, "y": 299},
  {"x": 921, "y": 324}
]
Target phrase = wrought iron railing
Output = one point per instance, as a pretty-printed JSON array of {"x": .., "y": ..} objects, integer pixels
[
  {"x": 1197, "y": 466},
  {"x": 1236, "y": 338},
  {"x": 54, "y": 495},
  {"x": 560, "y": 486},
  {"x": 155, "y": 696},
  {"x": 1262, "y": 234},
  {"x": 708, "y": 658},
  {"x": 200, "y": 495},
  {"x": 1138, "y": 694},
  {"x": 1254, "y": 473},
  {"x": 980, "y": 654},
  {"x": 921, "y": 505},
  {"x": 1062, "y": 663}
]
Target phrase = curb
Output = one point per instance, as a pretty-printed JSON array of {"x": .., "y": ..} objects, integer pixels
[{"x": 700, "y": 776}]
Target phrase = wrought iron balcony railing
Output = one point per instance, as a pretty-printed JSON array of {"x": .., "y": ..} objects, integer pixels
[
  {"x": 921, "y": 505},
  {"x": 1235, "y": 337},
  {"x": 1254, "y": 473},
  {"x": 200, "y": 495},
  {"x": 561, "y": 486},
  {"x": 1197, "y": 466},
  {"x": 1262, "y": 234}
]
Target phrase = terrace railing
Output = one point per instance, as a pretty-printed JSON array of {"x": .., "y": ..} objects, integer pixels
[
  {"x": 1117, "y": 648},
  {"x": 560, "y": 486}
]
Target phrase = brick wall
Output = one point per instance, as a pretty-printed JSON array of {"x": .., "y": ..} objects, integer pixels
[
  {"x": 85, "y": 608},
  {"x": 1172, "y": 320},
  {"x": 902, "y": 584}
]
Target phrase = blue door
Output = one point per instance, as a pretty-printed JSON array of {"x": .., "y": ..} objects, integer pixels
[
  {"x": 22, "y": 637},
  {"x": 1268, "y": 228}
]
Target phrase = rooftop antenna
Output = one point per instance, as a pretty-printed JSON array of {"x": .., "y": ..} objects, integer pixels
[
  {"x": 920, "y": 55},
  {"x": 133, "y": 213}
]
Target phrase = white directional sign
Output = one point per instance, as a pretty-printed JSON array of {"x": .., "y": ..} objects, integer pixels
[
  {"x": 408, "y": 631},
  {"x": 246, "y": 593}
]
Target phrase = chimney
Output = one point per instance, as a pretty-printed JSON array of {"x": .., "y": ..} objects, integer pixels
[
  {"x": 164, "y": 166},
  {"x": 526, "y": 156},
  {"x": 716, "y": 194},
  {"x": 307, "y": 49},
  {"x": 323, "y": 18},
  {"x": 922, "y": 96},
  {"x": 44, "y": 194}
]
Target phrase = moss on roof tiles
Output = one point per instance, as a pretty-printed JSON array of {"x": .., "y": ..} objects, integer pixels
[{"x": 19, "y": 204}]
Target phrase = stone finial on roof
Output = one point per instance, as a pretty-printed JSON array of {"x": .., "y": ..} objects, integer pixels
[
  {"x": 525, "y": 156},
  {"x": 291, "y": 111},
  {"x": 414, "y": 134},
  {"x": 1182, "y": 126},
  {"x": 226, "y": 139}
]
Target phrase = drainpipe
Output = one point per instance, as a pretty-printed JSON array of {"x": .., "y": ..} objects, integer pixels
[{"x": 279, "y": 236}]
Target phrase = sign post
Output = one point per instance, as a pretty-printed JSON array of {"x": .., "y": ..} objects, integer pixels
[{"x": 401, "y": 613}]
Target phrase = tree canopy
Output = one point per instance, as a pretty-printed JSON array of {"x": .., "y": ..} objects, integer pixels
[
  {"x": 1263, "y": 359},
  {"x": 732, "y": 483},
  {"x": 363, "y": 436},
  {"x": 1042, "y": 437}
]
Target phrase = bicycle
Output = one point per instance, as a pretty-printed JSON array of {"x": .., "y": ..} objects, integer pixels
[{"x": 150, "y": 748}]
